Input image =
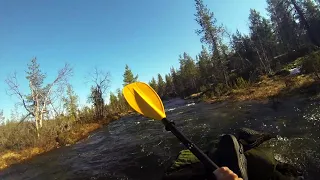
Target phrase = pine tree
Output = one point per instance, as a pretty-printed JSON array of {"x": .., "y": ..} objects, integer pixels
[
  {"x": 114, "y": 103},
  {"x": 169, "y": 89},
  {"x": 71, "y": 103},
  {"x": 2, "y": 118},
  {"x": 285, "y": 26},
  {"x": 209, "y": 31},
  {"x": 263, "y": 40},
  {"x": 205, "y": 67},
  {"x": 153, "y": 84},
  {"x": 123, "y": 104},
  {"x": 211, "y": 35},
  {"x": 189, "y": 74},
  {"x": 245, "y": 53},
  {"x": 309, "y": 16},
  {"x": 161, "y": 86},
  {"x": 128, "y": 76},
  {"x": 177, "y": 82}
]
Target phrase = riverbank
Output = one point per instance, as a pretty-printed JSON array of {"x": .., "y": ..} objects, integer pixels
[
  {"x": 267, "y": 88},
  {"x": 272, "y": 88},
  {"x": 77, "y": 132}
]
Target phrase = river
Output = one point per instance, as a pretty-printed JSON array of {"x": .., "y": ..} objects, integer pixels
[{"x": 135, "y": 147}]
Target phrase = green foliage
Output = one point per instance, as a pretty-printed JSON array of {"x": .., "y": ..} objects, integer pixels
[
  {"x": 189, "y": 74},
  {"x": 153, "y": 84},
  {"x": 71, "y": 103},
  {"x": 210, "y": 32},
  {"x": 205, "y": 66},
  {"x": 203, "y": 89},
  {"x": 128, "y": 76},
  {"x": 311, "y": 63},
  {"x": 212, "y": 35},
  {"x": 19, "y": 136},
  {"x": 311, "y": 15},
  {"x": 86, "y": 115},
  {"x": 113, "y": 103},
  {"x": 184, "y": 158},
  {"x": 295, "y": 64},
  {"x": 35, "y": 75},
  {"x": 177, "y": 82},
  {"x": 263, "y": 41},
  {"x": 241, "y": 83},
  {"x": 161, "y": 86},
  {"x": 219, "y": 89},
  {"x": 169, "y": 89},
  {"x": 282, "y": 35},
  {"x": 123, "y": 105},
  {"x": 286, "y": 27}
]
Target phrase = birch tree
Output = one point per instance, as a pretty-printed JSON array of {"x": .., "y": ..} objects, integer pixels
[
  {"x": 37, "y": 101},
  {"x": 101, "y": 82}
]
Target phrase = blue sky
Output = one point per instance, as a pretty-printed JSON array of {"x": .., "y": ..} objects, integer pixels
[{"x": 146, "y": 35}]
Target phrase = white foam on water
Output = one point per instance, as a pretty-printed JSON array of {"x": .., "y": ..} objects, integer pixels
[
  {"x": 280, "y": 158},
  {"x": 191, "y": 104},
  {"x": 172, "y": 109},
  {"x": 279, "y": 138}
]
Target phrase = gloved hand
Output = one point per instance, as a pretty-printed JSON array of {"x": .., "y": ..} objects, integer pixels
[{"x": 224, "y": 173}]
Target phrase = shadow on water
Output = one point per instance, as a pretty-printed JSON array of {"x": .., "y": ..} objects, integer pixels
[{"x": 139, "y": 148}]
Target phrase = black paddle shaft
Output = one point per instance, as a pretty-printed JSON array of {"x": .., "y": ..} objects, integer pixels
[{"x": 192, "y": 147}]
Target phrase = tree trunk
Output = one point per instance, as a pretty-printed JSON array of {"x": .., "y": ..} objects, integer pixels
[
  {"x": 303, "y": 20},
  {"x": 37, "y": 124}
]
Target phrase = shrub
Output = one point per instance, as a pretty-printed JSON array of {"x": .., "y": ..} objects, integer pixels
[
  {"x": 241, "y": 83},
  {"x": 219, "y": 89},
  {"x": 203, "y": 89},
  {"x": 15, "y": 136},
  {"x": 311, "y": 63},
  {"x": 19, "y": 136}
]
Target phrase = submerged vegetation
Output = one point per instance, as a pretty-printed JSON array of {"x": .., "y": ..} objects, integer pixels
[{"x": 230, "y": 66}]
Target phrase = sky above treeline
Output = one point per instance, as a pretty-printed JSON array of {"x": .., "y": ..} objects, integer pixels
[{"x": 147, "y": 35}]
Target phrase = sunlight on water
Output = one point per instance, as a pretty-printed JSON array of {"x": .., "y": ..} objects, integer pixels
[{"x": 313, "y": 112}]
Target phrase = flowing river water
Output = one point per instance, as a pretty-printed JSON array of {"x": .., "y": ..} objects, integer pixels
[{"x": 135, "y": 147}]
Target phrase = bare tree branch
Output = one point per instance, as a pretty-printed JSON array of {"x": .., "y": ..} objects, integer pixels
[
  {"x": 100, "y": 78},
  {"x": 62, "y": 79},
  {"x": 12, "y": 82}
]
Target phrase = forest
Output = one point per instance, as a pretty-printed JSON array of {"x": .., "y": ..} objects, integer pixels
[{"x": 227, "y": 61}]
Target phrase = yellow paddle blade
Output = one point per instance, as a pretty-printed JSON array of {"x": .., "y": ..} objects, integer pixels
[{"x": 143, "y": 99}]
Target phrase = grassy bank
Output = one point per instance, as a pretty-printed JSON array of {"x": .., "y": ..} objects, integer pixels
[
  {"x": 18, "y": 143},
  {"x": 275, "y": 86},
  {"x": 270, "y": 87}
]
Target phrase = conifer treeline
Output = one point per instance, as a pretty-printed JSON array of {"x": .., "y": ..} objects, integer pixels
[{"x": 291, "y": 30}]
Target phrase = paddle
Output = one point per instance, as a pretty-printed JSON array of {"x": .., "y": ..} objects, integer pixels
[{"x": 143, "y": 99}]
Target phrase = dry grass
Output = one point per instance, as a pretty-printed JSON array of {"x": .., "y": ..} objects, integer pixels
[
  {"x": 12, "y": 157},
  {"x": 77, "y": 132},
  {"x": 268, "y": 87}
]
